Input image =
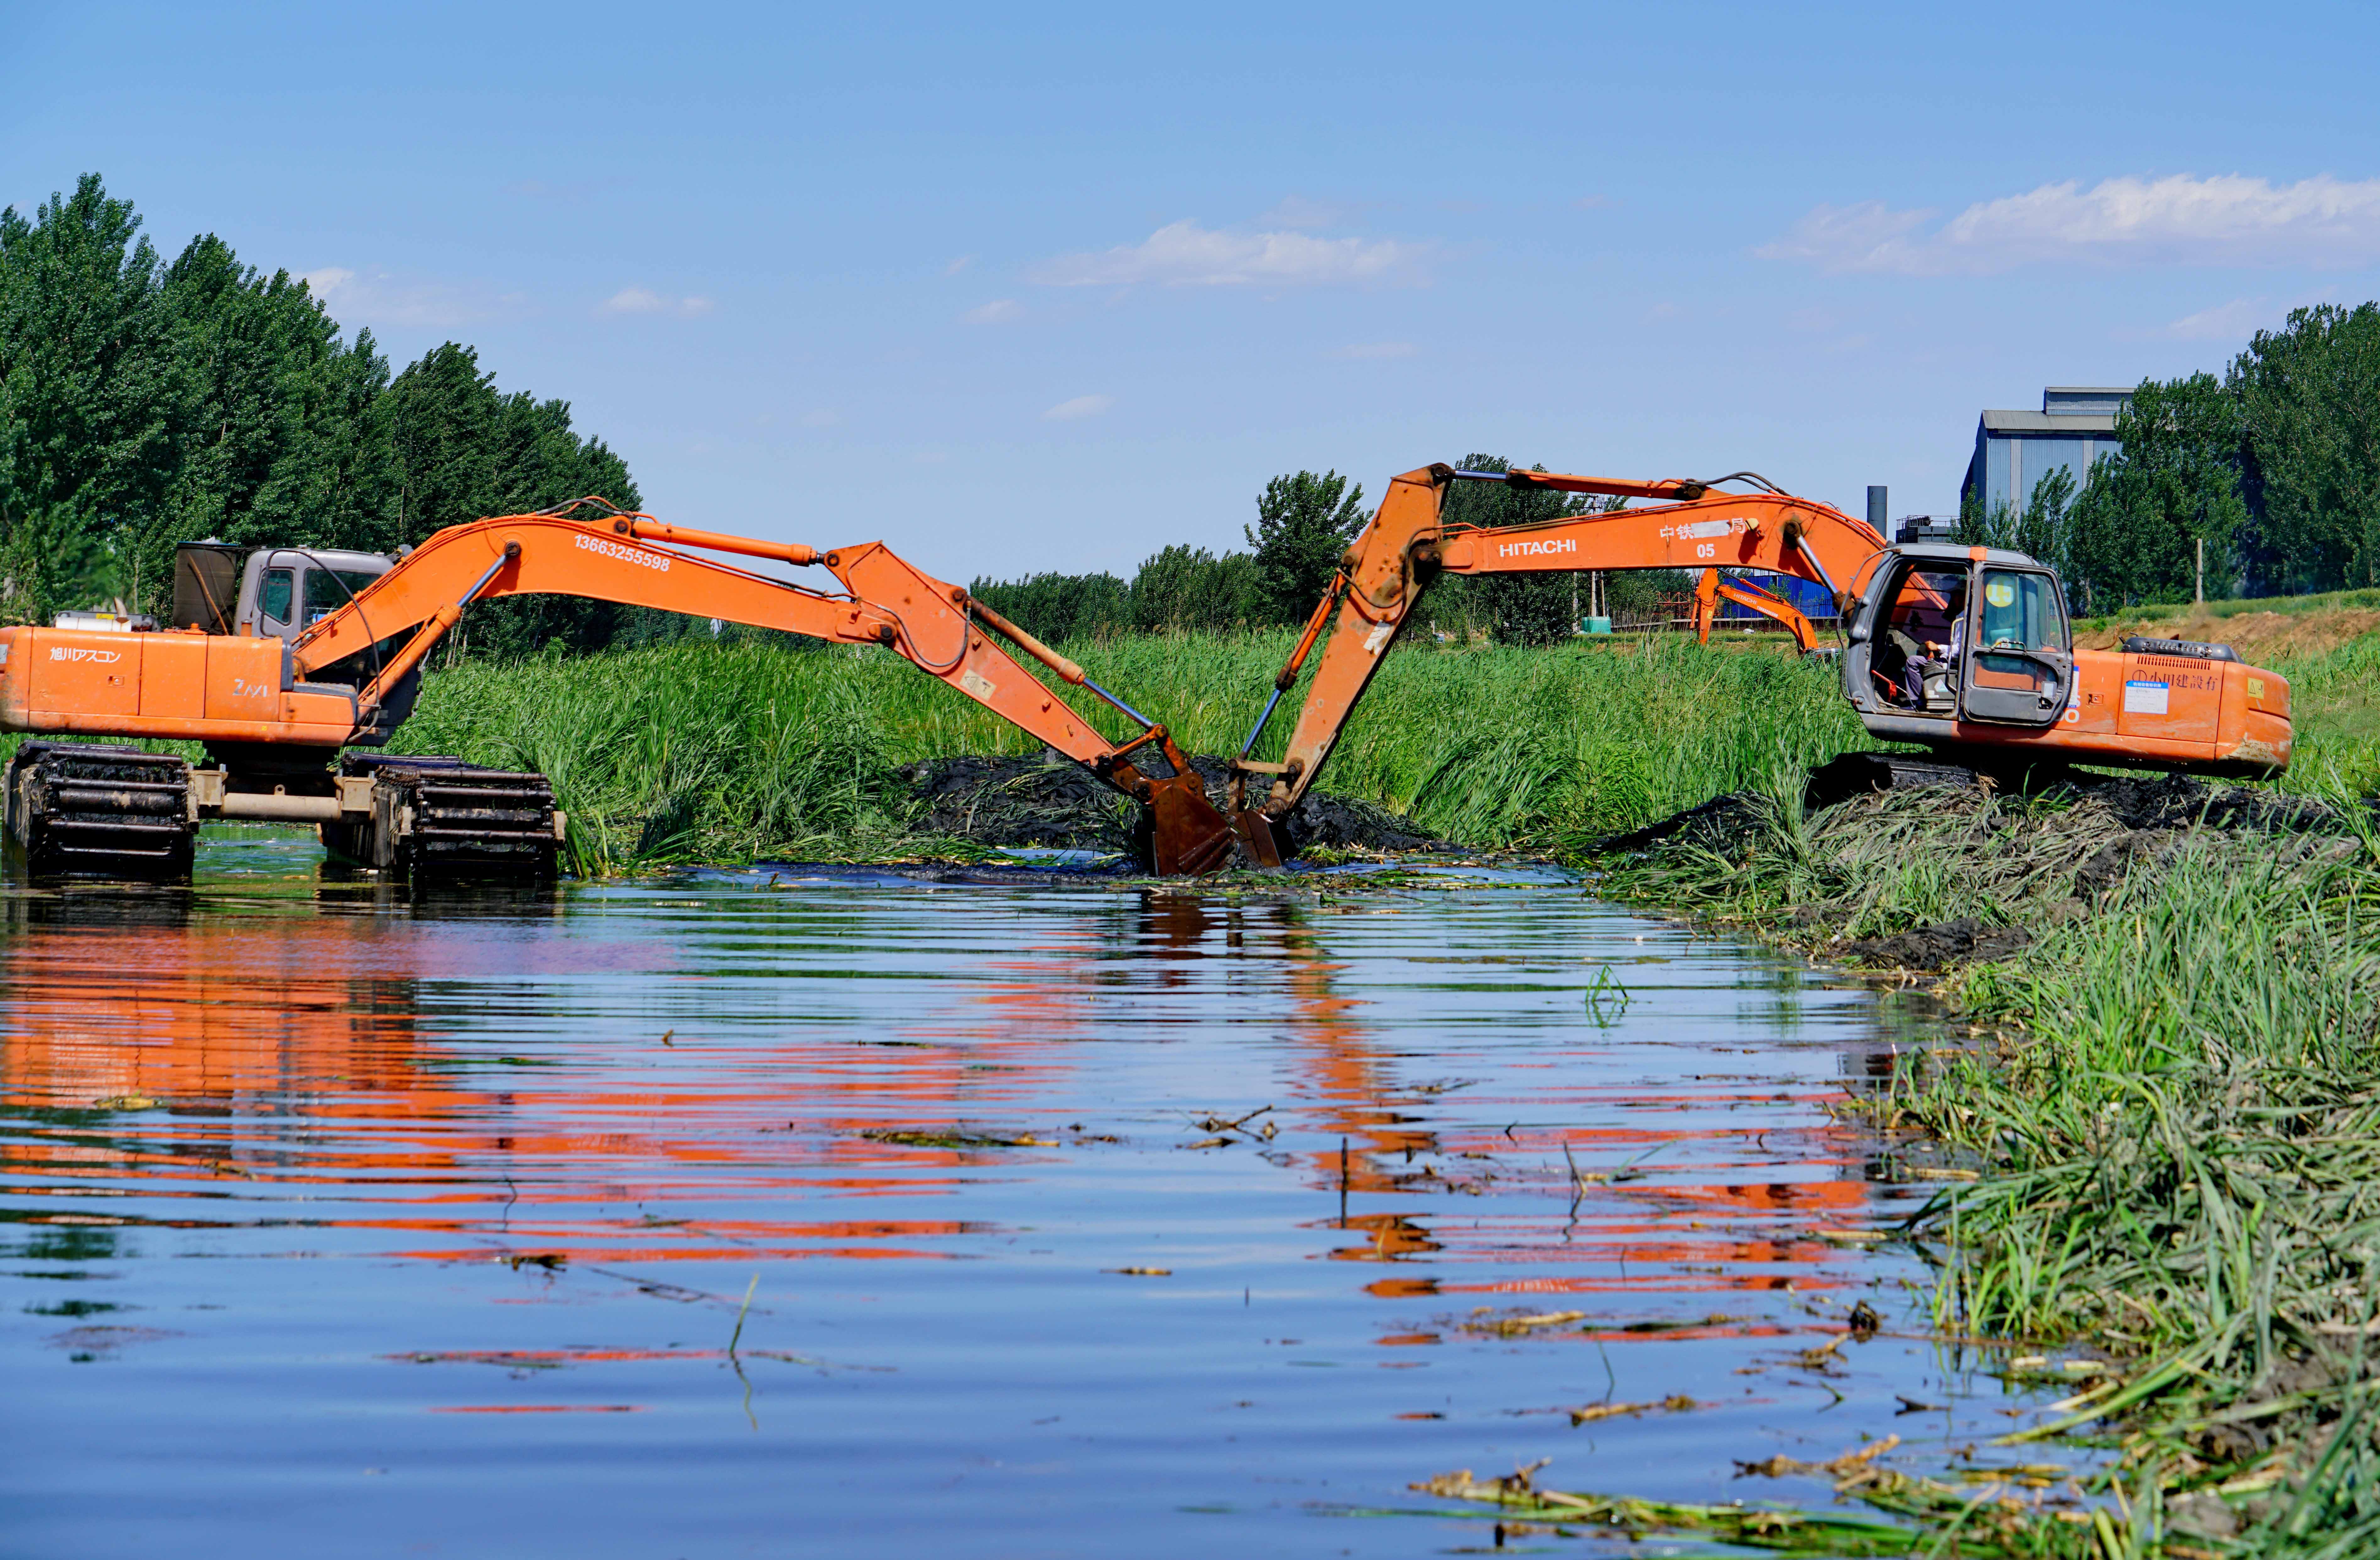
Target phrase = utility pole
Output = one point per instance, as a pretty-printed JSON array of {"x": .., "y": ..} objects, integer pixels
[{"x": 2199, "y": 593}]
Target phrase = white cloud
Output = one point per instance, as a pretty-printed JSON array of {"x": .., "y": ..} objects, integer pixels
[
  {"x": 1185, "y": 254},
  {"x": 1377, "y": 350},
  {"x": 1000, "y": 311},
  {"x": 640, "y": 300},
  {"x": 823, "y": 417},
  {"x": 377, "y": 299},
  {"x": 1079, "y": 407},
  {"x": 330, "y": 279},
  {"x": 2235, "y": 321},
  {"x": 957, "y": 265},
  {"x": 2243, "y": 317},
  {"x": 2229, "y": 219}
]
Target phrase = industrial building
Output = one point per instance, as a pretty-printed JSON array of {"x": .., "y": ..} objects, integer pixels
[{"x": 2076, "y": 426}]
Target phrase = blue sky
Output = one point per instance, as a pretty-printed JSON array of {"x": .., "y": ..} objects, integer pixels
[{"x": 1052, "y": 288}]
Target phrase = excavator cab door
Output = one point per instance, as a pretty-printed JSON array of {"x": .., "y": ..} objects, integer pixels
[
  {"x": 1903, "y": 620},
  {"x": 2019, "y": 665}
]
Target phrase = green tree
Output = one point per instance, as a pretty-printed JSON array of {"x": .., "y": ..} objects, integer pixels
[
  {"x": 84, "y": 361},
  {"x": 2040, "y": 532},
  {"x": 2309, "y": 396},
  {"x": 1182, "y": 589},
  {"x": 279, "y": 440},
  {"x": 461, "y": 452},
  {"x": 2133, "y": 536},
  {"x": 142, "y": 405},
  {"x": 1056, "y": 607},
  {"x": 441, "y": 414},
  {"x": 91, "y": 402},
  {"x": 1982, "y": 526},
  {"x": 1303, "y": 523}
]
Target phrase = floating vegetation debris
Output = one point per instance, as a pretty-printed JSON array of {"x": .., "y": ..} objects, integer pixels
[
  {"x": 1676, "y": 1403},
  {"x": 1233, "y": 1130},
  {"x": 1487, "y": 1322},
  {"x": 1517, "y": 1326},
  {"x": 956, "y": 1138},
  {"x": 2012, "y": 1514},
  {"x": 1844, "y": 1467}
]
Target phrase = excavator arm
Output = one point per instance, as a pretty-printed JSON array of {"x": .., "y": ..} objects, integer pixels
[
  {"x": 1407, "y": 545},
  {"x": 637, "y": 560},
  {"x": 1713, "y": 588}
]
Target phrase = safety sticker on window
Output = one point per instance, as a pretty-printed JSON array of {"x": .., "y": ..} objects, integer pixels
[{"x": 2145, "y": 698}]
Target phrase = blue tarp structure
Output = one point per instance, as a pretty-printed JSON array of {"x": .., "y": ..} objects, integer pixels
[{"x": 1806, "y": 595}]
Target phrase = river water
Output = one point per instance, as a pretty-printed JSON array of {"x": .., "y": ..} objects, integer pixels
[{"x": 753, "y": 1213}]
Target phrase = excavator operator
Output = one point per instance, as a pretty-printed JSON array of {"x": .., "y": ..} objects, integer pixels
[
  {"x": 1942, "y": 660},
  {"x": 1923, "y": 636}
]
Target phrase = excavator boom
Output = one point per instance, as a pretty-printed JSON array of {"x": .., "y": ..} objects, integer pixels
[
  {"x": 1407, "y": 545},
  {"x": 885, "y": 600}
]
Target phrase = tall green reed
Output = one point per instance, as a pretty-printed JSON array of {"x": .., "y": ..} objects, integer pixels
[{"x": 729, "y": 751}]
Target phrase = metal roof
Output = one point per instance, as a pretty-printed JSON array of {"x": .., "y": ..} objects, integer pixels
[{"x": 2046, "y": 423}]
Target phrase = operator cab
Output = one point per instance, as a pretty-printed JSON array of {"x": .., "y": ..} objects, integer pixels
[
  {"x": 279, "y": 592},
  {"x": 266, "y": 592},
  {"x": 1946, "y": 634}
]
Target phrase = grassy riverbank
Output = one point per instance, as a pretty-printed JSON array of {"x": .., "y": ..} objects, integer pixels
[
  {"x": 2173, "y": 1104},
  {"x": 700, "y": 751},
  {"x": 727, "y": 753},
  {"x": 2172, "y": 1101}
]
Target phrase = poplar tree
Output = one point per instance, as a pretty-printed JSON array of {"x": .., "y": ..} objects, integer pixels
[
  {"x": 2135, "y": 534},
  {"x": 2309, "y": 397},
  {"x": 144, "y": 404}
]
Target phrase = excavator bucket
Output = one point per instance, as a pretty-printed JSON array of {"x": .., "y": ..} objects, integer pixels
[
  {"x": 1188, "y": 837},
  {"x": 1257, "y": 838}
]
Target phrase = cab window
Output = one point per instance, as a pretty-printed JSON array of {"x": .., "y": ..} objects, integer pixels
[
  {"x": 2020, "y": 612},
  {"x": 328, "y": 589},
  {"x": 1921, "y": 607},
  {"x": 272, "y": 601}
]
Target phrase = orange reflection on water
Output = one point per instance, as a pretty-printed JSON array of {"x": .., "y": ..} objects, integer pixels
[
  {"x": 200, "y": 1036},
  {"x": 290, "y": 1048}
]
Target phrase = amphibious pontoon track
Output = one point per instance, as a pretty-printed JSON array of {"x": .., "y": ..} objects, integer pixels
[{"x": 95, "y": 810}]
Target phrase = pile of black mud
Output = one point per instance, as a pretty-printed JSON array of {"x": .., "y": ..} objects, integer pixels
[
  {"x": 1049, "y": 801},
  {"x": 2057, "y": 857}
]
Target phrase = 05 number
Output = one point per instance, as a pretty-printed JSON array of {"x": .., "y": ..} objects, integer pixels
[{"x": 1708, "y": 550}]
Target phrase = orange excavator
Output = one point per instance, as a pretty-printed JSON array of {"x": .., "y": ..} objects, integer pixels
[
  {"x": 1965, "y": 651},
  {"x": 283, "y": 660}
]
